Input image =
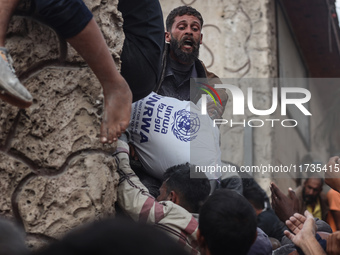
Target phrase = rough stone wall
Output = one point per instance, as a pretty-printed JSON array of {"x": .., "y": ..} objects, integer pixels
[
  {"x": 54, "y": 172},
  {"x": 239, "y": 42}
]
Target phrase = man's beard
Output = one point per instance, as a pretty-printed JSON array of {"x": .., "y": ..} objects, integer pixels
[
  {"x": 184, "y": 57},
  {"x": 309, "y": 199}
]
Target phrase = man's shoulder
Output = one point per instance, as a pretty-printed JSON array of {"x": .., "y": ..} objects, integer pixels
[
  {"x": 333, "y": 194},
  {"x": 203, "y": 70},
  {"x": 178, "y": 221},
  {"x": 175, "y": 211},
  {"x": 177, "y": 217},
  {"x": 267, "y": 215}
]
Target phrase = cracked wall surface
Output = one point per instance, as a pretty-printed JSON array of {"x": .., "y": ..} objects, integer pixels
[{"x": 54, "y": 172}]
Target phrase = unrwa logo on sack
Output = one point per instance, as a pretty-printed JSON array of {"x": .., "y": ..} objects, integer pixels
[
  {"x": 147, "y": 117},
  {"x": 186, "y": 125}
]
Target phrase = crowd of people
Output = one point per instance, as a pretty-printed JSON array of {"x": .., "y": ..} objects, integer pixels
[{"x": 177, "y": 212}]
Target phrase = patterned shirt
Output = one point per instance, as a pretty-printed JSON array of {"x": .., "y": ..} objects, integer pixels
[{"x": 135, "y": 199}]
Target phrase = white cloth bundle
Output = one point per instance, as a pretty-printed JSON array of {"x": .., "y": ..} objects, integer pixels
[{"x": 166, "y": 132}]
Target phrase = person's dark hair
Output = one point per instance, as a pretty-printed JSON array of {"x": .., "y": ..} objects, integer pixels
[
  {"x": 12, "y": 239},
  {"x": 228, "y": 223},
  {"x": 192, "y": 191},
  {"x": 315, "y": 176},
  {"x": 114, "y": 236},
  {"x": 180, "y": 11},
  {"x": 255, "y": 197}
]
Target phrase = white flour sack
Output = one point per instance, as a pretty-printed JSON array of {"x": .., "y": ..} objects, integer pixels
[{"x": 166, "y": 132}]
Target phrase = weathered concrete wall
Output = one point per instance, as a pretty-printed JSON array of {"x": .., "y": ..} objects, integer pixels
[
  {"x": 54, "y": 172},
  {"x": 289, "y": 147},
  {"x": 307, "y": 143}
]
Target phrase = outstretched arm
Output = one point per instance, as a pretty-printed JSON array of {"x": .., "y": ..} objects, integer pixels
[{"x": 90, "y": 44}]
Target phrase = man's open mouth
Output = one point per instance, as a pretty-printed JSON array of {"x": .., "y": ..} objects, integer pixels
[{"x": 188, "y": 43}]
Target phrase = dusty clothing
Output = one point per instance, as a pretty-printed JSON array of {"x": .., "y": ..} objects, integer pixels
[
  {"x": 135, "y": 200},
  {"x": 322, "y": 200}
]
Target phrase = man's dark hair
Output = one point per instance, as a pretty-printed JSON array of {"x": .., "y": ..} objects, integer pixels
[
  {"x": 180, "y": 11},
  {"x": 114, "y": 236},
  {"x": 228, "y": 223},
  {"x": 315, "y": 176},
  {"x": 255, "y": 197},
  {"x": 192, "y": 191}
]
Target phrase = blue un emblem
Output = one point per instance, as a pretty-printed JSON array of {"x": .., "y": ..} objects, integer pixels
[{"x": 186, "y": 125}]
